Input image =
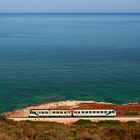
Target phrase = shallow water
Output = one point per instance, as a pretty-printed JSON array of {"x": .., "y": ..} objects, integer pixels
[{"x": 51, "y": 57}]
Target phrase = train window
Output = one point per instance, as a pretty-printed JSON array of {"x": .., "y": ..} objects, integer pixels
[
  {"x": 105, "y": 111},
  {"x": 101, "y": 111},
  {"x": 53, "y": 112},
  {"x": 86, "y": 111},
  {"x": 75, "y": 112},
  {"x": 82, "y": 112},
  {"x": 46, "y": 112},
  {"x": 97, "y": 111},
  {"x": 78, "y": 112},
  {"x": 57, "y": 112},
  {"x": 113, "y": 111},
  {"x": 65, "y": 112},
  {"x": 61, "y": 112},
  {"x": 94, "y": 111},
  {"x": 90, "y": 111}
]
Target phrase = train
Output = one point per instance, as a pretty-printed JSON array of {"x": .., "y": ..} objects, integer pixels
[{"x": 72, "y": 113}]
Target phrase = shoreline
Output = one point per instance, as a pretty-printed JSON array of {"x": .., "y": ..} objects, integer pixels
[{"x": 68, "y": 104}]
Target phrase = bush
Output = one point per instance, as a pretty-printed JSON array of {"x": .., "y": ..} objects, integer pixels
[
  {"x": 136, "y": 136},
  {"x": 88, "y": 136},
  {"x": 3, "y": 117},
  {"x": 41, "y": 123},
  {"x": 119, "y": 132},
  {"x": 83, "y": 122},
  {"x": 109, "y": 123},
  {"x": 131, "y": 113},
  {"x": 131, "y": 123}
]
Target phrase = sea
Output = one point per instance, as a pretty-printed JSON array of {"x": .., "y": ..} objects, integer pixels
[{"x": 47, "y": 57}]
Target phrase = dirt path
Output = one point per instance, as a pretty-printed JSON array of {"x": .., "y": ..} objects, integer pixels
[{"x": 72, "y": 120}]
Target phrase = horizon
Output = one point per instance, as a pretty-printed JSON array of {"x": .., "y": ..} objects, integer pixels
[
  {"x": 69, "y": 12},
  {"x": 62, "y": 6}
]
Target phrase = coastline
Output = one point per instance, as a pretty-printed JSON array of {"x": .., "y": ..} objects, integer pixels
[{"x": 121, "y": 109}]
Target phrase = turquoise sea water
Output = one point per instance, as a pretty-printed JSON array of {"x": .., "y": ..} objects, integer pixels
[{"x": 51, "y": 57}]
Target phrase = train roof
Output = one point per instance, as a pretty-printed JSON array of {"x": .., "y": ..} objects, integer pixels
[
  {"x": 50, "y": 109},
  {"x": 93, "y": 109},
  {"x": 73, "y": 109}
]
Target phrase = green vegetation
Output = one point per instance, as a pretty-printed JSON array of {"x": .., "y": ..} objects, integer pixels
[
  {"x": 83, "y": 122},
  {"x": 109, "y": 123},
  {"x": 2, "y": 117},
  {"x": 132, "y": 113},
  {"x": 131, "y": 123},
  {"x": 41, "y": 123},
  {"x": 136, "y": 136},
  {"x": 103, "y": 130}
]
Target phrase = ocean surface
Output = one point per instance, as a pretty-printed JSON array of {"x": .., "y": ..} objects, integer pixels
[{"x": 54, "y": 57}]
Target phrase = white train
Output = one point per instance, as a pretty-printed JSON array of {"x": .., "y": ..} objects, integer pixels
[{"x": 72, "y": 113}]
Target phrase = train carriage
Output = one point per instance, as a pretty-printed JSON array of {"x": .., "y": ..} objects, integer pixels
[
  {"x": 50, "y": 113},
  {"x": 94, "y": 113}
]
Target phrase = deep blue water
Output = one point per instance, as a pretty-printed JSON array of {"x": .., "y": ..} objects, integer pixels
[{"x": 51, "y": 57}]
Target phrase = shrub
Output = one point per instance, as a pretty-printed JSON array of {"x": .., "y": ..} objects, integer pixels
[
  {"x": 85, "y": 136},
  {"x": 119, "y": 132},
  {"x": 131, "y": 123},
  {"x": 136, "y": 136},
  {"x": 4, "y": 136},
  {"x": 83, "y": 122},
  {"x": 109, "y": 122},
  {"x": 41, "y": 123},
  {"x": 131, "y": 113},
  {"x": 3, "y": 117}
]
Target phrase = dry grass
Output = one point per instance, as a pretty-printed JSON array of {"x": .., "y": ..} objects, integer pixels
[{"x": 84, "y": 130}]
